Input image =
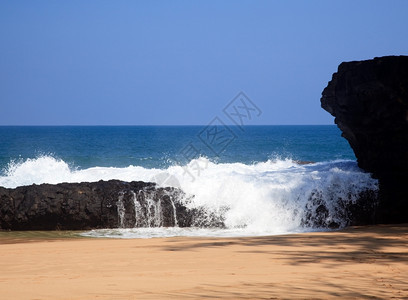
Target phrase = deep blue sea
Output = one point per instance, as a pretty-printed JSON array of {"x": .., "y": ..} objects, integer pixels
[
  {"x": 259, "y": 177},
  {"x": 162, "y": 146}
]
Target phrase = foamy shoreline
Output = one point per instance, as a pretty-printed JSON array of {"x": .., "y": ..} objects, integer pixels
[
  {"x": 275, "y": 196},
  {"x": 360, "y": 262}
]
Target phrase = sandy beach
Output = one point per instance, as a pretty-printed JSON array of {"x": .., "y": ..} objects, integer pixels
[{"x": 362, "y": 262}]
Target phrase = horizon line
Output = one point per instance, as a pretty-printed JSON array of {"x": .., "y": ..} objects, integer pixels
[{"x": 155, "y": 125}]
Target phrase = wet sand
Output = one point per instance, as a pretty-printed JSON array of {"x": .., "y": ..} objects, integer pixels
[{"x": 364, "y": 262}]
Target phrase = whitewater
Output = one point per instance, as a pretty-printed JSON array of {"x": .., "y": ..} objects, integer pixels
[{"x": 263, "y": 198}]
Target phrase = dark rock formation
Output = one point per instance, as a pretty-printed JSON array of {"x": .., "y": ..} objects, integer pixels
[
  {"x": 337, "y": 212},
  {"x": 118, "y": 204},
  {"x": 369, "y": 100},
  {"x": 103, "y": 204}
]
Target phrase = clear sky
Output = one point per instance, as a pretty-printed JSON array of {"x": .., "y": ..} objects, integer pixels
[{"x": 182, "y": 62}]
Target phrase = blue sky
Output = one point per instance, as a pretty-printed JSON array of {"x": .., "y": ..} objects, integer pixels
[{"x": 182, "y": 62}]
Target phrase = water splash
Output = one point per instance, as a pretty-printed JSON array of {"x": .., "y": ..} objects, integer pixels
[{"x": 275, "y": 196}]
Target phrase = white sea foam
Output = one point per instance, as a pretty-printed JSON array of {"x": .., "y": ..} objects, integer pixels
[{"x": 258, "y": 199}]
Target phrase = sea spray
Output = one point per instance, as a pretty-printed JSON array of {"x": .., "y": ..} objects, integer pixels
[{"x": 271, "y": 197}]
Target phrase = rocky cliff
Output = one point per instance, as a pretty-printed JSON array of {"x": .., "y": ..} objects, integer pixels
[{"x": 369, "y": 100}]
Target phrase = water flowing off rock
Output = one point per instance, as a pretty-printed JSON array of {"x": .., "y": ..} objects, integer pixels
[{"x": 103, "y": 204}]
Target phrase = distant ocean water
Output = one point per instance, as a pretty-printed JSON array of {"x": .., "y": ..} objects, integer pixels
[{"x": 254, "y": 175}]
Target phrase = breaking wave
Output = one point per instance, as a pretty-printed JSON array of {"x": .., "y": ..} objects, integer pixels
[{"x": 263, "y": 198}]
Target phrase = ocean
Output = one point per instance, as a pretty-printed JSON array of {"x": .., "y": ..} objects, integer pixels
[{"x": 259, "y": 179}]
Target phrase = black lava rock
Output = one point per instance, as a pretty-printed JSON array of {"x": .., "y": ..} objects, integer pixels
[{"x": 369, "y": 100}]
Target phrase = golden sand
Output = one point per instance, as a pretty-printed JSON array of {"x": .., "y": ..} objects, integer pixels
[{"x": 365, "y": 262}]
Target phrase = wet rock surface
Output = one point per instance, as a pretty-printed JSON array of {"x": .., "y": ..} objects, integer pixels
[
  {"x": 118, "y": 204},
  {"x": 103, "y": 204}
]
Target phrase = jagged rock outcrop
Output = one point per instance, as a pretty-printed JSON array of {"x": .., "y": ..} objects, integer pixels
[
  {"x": 118, "y": 204},
  {"x": 341, "y": 212},
  {"x": 369, "y": 100},
  {"x": 103, "y": 204}
]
